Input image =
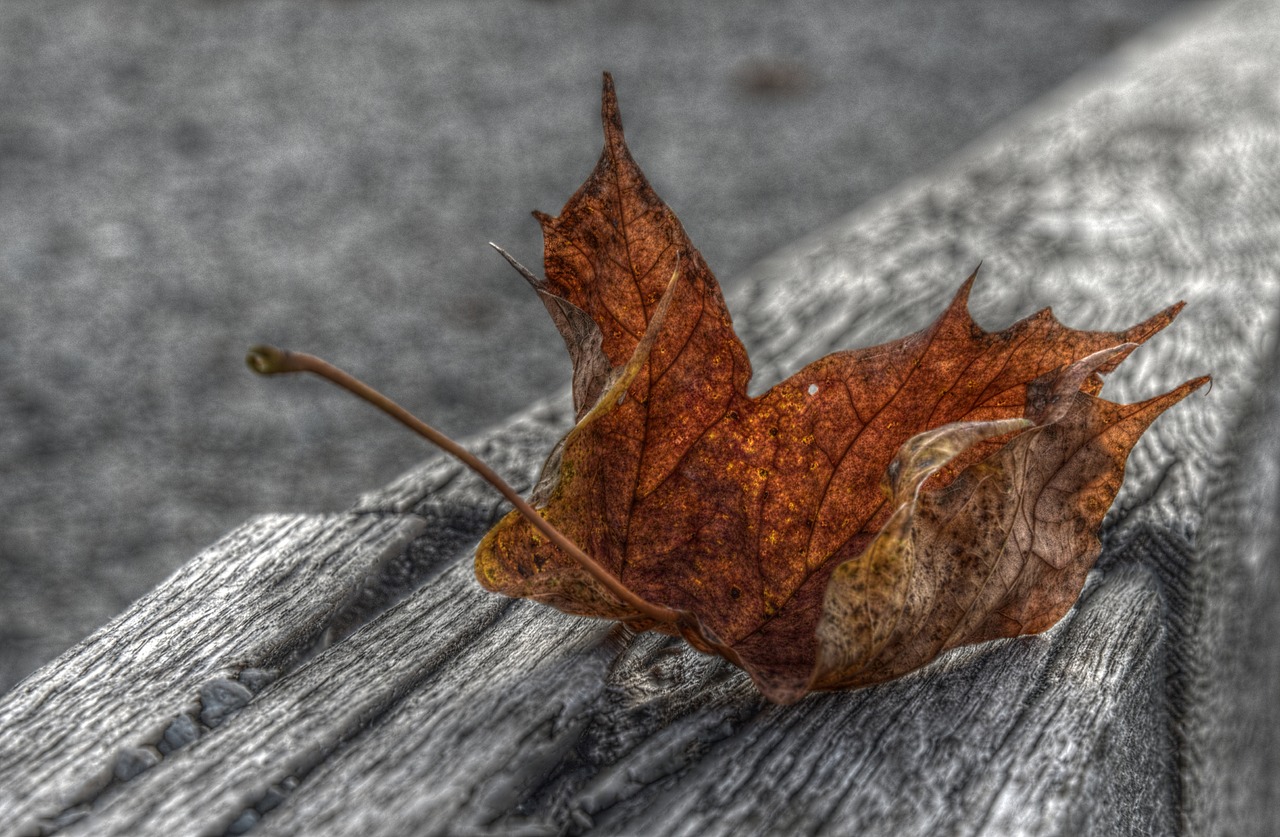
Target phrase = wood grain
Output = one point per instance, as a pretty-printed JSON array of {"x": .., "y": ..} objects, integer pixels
[
  {"x": 438, "y": 709},
  {"x": 253, "y": 602}
]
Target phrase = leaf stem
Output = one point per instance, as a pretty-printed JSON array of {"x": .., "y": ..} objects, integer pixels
[{"x": 269, "y": 360}]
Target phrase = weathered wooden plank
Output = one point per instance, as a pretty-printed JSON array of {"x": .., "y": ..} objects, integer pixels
[
  {"x": 441, "y": 709},
  {"x": 169, "y": 665},
  {"x": 525, "y": 708},
  {"x": 680, "y": 744},
  {"x": 449, "y": 635}
]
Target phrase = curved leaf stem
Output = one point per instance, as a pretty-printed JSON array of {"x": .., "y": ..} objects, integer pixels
[{"x": 269, "y": 360}]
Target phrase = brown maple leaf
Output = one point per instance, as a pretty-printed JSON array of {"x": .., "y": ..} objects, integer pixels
[{"x": 880, "y": 506}]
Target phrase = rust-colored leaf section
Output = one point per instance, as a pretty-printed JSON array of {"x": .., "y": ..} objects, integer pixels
[{"x": 812, "y": 535}]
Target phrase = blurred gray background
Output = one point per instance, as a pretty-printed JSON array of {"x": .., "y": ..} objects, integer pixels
[{"x": 180, "y": 180}]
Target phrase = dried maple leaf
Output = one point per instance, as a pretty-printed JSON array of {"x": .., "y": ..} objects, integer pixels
[{"x": 880, "y": 506}]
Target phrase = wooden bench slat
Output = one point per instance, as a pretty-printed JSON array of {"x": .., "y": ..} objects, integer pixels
[
  {"x": 260, "y": 595},
  {"x": 700, "y": 753}
]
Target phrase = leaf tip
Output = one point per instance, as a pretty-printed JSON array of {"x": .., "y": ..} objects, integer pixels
[
  {"x": 544, "y": 220},
  {"x": 610, "y": 115},
  {"x": 519, "y": 268},
  {"x": 1143, "y": 331},
  {"x": 1195, "y": 384},
  {"x": 1050, "y": 396},
  {"x": 960, "y": 302}
]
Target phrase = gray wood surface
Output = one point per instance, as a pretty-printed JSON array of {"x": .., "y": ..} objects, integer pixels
[
  {"x": 176, "y": 661},
  {"x": 338, "y": 677}
]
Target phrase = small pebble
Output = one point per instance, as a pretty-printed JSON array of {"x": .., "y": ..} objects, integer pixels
[
  {"x": 256, "y": 679},
  {"x": 244, "y": 822},
  {"x": 273, "y": 797},
  {"x": 180, "y": 732},
  {"x": 135, "y": 760},
  {"x": 221, "y": 698}
]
